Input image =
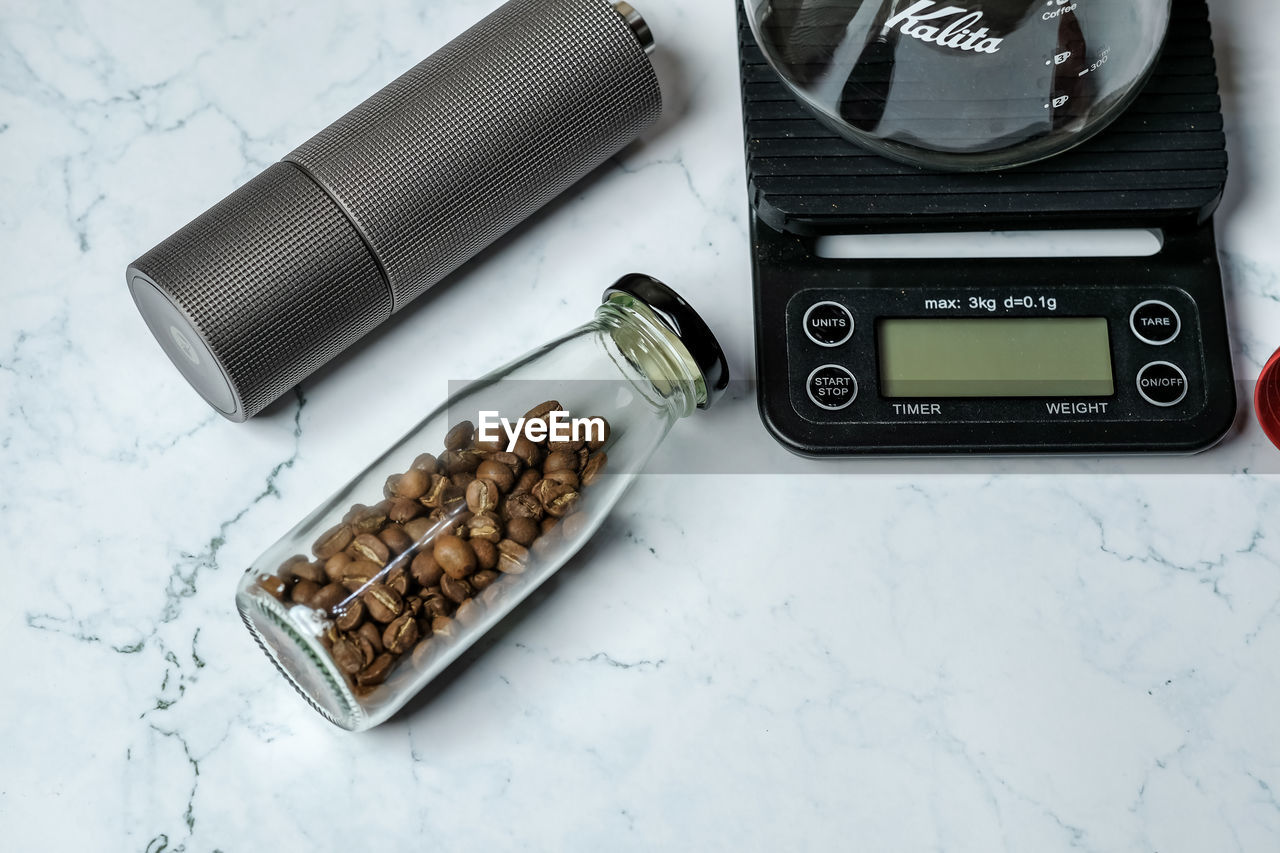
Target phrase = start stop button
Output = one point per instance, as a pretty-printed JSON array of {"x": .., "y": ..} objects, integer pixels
[{"x": 832, "y": 387}]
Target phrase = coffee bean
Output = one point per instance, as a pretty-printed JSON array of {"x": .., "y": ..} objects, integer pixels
[
  {"x": 571, "y": 444},
  {"x": 455, "y": 589},
  {"x": 370, "y": 519},
  {"x": 400, "y": 635},
  {"x": 469, "y": 614},
  {"x": 305, "y": 570},
  {"x": 454, "y": 497},
  {"x": 523, "y": 506},
  {"x": 469, "y": 460},
  {"x": 359, "y": 572},
  {"x": 482, "y": 580},
  {"x": 549, "y": 491},
  {"x": 463, "y": 480},
  {"x": 412, "y": 484},
  {"x": 404, "y": 510},
  {"x": 560, "y": 460},
  {"x": 482, "y": 495},
  {"x": 528, "y": 452},
  {"x": 513, "y": 558},
  {"x": 436, "y": 605},
  {"x": 348, "y": 655},
  {"x": 500, "y": 474},
  {"x": 286, "y": 568},
  {"x": 329, "y": 597},
  {"x": 427, "y": 464},
  {"x": 443, "y": 626},
  {"x": 486, "y": 553},
  {"x": 460, "y": 436},
  {"x": 273, "y": 585},
  {"x": 418, "y": 528},
  {"x": 332, "y": 541},
  {"x": 522, "y": 531},
  {"x": 376, "y": 672},
  {"x": 400, "y": 580},
  {"x": 543, "y": 409},
  {"x": 396, "y": 539},
  {"x": 507, "y": 458},
  {"x": 526, "y": 482},
  {"x": 390, "y": 485},
  {"x": 335, "y": 566},
  {"x": 371, "y": 548},
  {"x": 426, "y": 571},
  {"x": 597, "y": 441},
  {"x": 434, "y": 496},
  {"x": 350, "y": 618},
  {"x": 372, "y": 635},
  {"x": 487, "y": 446},
  {"x": 455, "y": 556},
  {"x": 563, "y": 503},
  {"x": 594, "y": 469},
  {"x": 383, "y": 602},
  {"x": 486, "y": 526},
  {"x": 453, "y": 462},
  {"x": 304, "y": 591},
  {"x": 563, "y": 476},
  {"x": 546, "y": 526}
]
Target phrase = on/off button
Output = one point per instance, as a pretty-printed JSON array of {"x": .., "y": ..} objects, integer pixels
[
  {"x": 828, "y": 324},
  {"x": 832, "y": 387},
  {"x": 1162, "y": 384}
]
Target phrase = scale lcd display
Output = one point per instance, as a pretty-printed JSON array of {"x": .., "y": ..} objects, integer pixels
[{"x": 996, "y": 357}]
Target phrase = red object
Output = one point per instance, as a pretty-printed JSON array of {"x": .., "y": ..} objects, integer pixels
[{"x": 1266, "y": 399}]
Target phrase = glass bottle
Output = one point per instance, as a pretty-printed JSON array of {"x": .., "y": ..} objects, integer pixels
[{"x": 374, "y": 593}]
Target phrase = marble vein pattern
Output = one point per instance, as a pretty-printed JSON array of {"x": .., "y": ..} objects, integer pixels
[{"x": 1021, "y": 655}]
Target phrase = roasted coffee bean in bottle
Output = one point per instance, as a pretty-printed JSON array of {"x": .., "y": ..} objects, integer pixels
[{"x": 379, "y": 589}]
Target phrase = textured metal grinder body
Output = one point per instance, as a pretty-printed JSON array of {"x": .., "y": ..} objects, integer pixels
[{"x": 282, "y": 275}]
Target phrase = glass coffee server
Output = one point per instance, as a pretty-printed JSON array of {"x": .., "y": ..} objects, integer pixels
[{"x": 969, "y": 85}]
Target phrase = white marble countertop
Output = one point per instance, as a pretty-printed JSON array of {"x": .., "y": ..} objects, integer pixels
[{"x": 1031, "y": 655}]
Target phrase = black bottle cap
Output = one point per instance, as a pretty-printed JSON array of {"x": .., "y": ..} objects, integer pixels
[{"x": 690, "y": 328}]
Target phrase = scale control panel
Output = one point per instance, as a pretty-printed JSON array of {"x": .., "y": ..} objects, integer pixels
[{"x": 990, "y": 369}]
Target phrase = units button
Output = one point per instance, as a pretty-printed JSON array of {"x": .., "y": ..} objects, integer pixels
[
  {"x": 1162, "y": 384},
  {"x": 832, "y": 387},
  {"x": 1155, "y": 323},
  {"x": 828, "y": 324}
]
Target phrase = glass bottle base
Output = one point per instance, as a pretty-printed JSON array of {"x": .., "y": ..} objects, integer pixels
[{"x": 302, "y": 659}]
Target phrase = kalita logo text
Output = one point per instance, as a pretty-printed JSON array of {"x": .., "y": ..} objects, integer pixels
[{"x": 949, "y": 26}]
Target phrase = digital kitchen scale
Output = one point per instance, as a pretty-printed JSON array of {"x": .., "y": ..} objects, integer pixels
[{"x": 1091, "y": 355}]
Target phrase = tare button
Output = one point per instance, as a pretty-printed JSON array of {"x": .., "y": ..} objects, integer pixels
[
  {"x": 1162, "y": 384},
  {"x": 828, "y": 324},
  {"x": 832, "y": 387},
  {"x": 1155, "y": 323}
]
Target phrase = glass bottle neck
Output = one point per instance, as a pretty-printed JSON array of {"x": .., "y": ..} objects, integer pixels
[{"x": 650, "y": 349}]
